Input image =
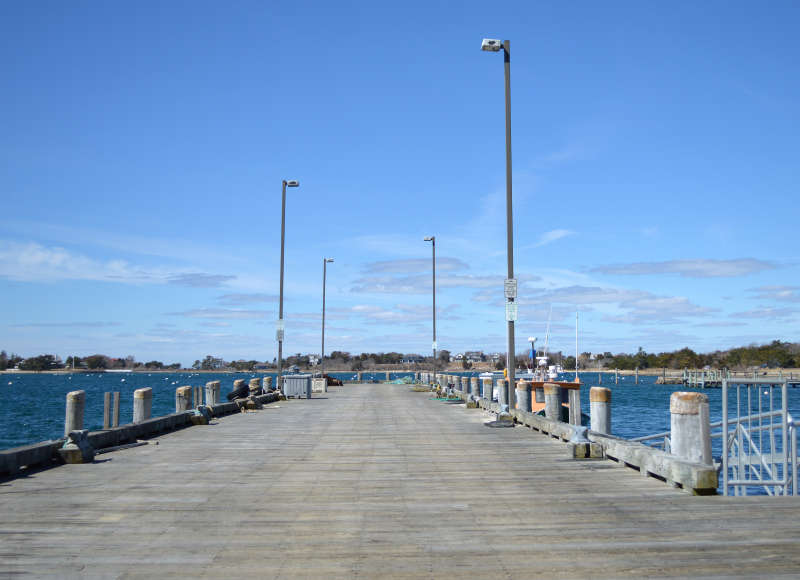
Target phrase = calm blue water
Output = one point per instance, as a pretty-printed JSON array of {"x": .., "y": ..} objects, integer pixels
[{"x": 33, "y": 404}]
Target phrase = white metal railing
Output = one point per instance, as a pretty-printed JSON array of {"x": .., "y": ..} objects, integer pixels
[{"x": 757, "y": 443}]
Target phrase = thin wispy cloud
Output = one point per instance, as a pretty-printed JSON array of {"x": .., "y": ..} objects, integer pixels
[
  {"x": 222, "y": 314},
  {"x": 779, "y": 293},
  {"x": 200, "y": 280},
  {"x": 552, "y": 236},
  {"x": 411, "y": 266},
  {"x": 34, "y": 262},
  {"x": 89, "y": 324},
  {"x": 767, "y": 313},
  {"x": 700, "y": 268},
  {"x": 242, "y": 298},
  {"x": 422, "y": 284},
  {"x": 402, "y": 313},
  {"x": 632, "y": 306}
]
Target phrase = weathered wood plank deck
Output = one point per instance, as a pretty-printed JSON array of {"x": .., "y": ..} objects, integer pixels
[{"x": 377, "y": 482}]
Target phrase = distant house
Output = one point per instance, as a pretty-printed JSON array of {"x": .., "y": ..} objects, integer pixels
[
  {"x": 262, "y": 366},
  {"x": 474, "y": 356},
  {"x": 412, "y": 359},
  {"x": 313, "y": 360}
]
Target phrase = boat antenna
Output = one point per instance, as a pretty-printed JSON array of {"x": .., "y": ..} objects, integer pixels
[{"x": 547, "y": 333}]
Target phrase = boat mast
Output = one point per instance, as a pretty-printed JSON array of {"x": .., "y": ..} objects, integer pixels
[{"x": 577, "y": 380}]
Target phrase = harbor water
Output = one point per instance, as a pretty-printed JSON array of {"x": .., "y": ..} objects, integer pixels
[{"x": 33, "y": 405}]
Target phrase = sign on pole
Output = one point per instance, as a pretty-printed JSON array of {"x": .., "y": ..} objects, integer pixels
[
  {"x": 511, "y": 311},
  {"x": 510, "y": 288}
]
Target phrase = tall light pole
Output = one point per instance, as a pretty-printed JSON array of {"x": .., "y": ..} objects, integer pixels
[
  {"x": 324, "y": 278},
  {"x": 279, "y": 330},
  {"x": 493, "y": 45},
  {"x": 432, "y": 240}
]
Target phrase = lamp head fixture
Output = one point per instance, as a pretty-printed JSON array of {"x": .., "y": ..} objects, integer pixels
[
  {"x": 329, "y": 259},
  {"x": 491, "y": 45},
  {"x": 430, "y": 239},
  {"x": 291, "y": 183}
]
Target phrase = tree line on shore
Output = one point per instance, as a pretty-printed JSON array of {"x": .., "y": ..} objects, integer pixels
[{"x": 776, "y": 354}]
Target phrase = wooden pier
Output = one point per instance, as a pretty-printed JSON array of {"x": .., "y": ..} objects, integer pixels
[{"x": 377, "y": 481}]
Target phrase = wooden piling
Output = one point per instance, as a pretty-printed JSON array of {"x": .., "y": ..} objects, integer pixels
[
  {"x": 690, "y": 432},
  {"x": 575, "y": 406},
  {"x": 142, "y": 404},
  {"x": 524, "y": 396},
  {"x": 115, "y": 418},
  {"x": 183, "y": 399},
  {"x": 106, "y": 410},
  {"x": 76, "y": 403},
  {"x": 600, "y": 409},
  {"x": 487, "y": 389},
  {"x": 552, "y": 401}
]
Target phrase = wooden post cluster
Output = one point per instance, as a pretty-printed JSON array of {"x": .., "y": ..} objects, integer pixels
[{"x": 110, "y": 410}]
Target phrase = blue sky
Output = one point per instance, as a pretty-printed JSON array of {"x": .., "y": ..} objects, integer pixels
[{"x": 143, "y": 147}]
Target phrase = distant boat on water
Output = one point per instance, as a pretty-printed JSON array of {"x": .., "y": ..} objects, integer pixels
[{"x": 119, "y": 370}]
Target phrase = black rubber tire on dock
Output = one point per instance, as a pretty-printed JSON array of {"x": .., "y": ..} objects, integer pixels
[{"x": 240, "y": 393}]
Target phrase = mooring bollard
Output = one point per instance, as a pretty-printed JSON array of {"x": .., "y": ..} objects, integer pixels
[
  {"x": 487, "y": 389},
  {"x": 267, "y": 383},
  {"x": 212, "y": 392},
  {"x": 183, "y": 399},
  {"x": 255, "y": 386},
  {"x": 600, "y": 409},
  {"x": 142, "y": 404},
  {"x": 524, "y": 396},
  {"x": 76, "y": 403},
  {"x": 552, "y": 401},
  {"x": 197, "y": 396},
  {"x": 575, "y": 406},
  {"x": 690, "y": 430}
]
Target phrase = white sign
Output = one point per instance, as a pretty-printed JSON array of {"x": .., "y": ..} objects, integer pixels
[
  {"x": 279, "y": 330},
  {"x": 511, "y": 311},
  {"x": 510, "y": 287},
  {"x": 434, "y": 345}
]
